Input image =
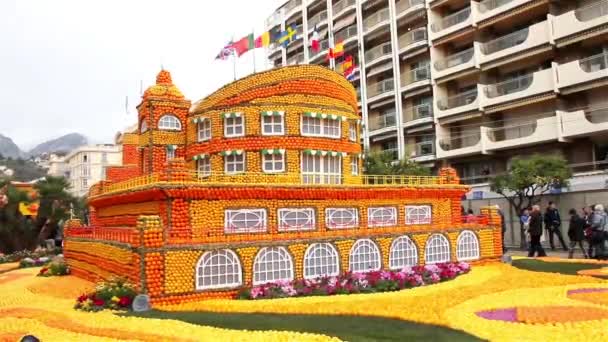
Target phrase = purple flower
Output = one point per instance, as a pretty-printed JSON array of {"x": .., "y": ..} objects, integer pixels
[{"x": 386, "y": 275}]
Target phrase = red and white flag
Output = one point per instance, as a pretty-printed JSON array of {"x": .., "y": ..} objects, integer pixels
[{"x": 314, "y": 41}]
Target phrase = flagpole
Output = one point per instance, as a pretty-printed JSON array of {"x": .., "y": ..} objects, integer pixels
[
  {"x": 253, "y": 52},
  {"x": 233, "y": 51}
]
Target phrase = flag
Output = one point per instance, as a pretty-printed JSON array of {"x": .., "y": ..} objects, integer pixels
[
  {"x": 288, "y": 36},
  {"x": 348, "y": 63},
  {"x": 336, "y": 51},
  {"x": 263, "y": 40},
  {"x": 226, "y": 52},
  {"x": 314, "y": 41},
  {"x": 350, "y": 74},
  {"x": 244, "y": 44}
]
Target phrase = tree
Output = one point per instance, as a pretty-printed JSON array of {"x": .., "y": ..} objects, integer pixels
[
  {"x": 16, "y": 231},
  {"x": 55, "y": 203},
  {"x": 383, "y": 163},
  {"x": 528, "y": 179}
]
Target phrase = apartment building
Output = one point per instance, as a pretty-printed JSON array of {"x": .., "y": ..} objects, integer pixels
[
  {"x": 470, "y": 84},
  {"x": 86, "y": 166},
  {"x": 388, "y": 41}
]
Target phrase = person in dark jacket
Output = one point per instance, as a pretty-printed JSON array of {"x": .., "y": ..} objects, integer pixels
[
  {"x": 552, "y": 223},
  {"x": 588, "y": 212},
  {"x": 536, "y": 231},
  {"x": 576, "y": 233}
]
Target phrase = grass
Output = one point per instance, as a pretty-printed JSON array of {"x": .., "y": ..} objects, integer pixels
[
  {"x": 347, "y": 328},
  {"x": 553, "y": 267}
]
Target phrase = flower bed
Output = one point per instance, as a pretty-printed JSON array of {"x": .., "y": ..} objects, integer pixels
[
  {"x": 375, "y": 281},
  {"x": 116, "y": 294},
  {"x": 57, "y": 267},
  {"x": 36, "y": 254},
  {"x": 29, "y": 262}
]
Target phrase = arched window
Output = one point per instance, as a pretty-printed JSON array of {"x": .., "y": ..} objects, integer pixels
[
  {"x": 437, "y": 249},
  {"x": 364, "y": 256},
  {"x": 272, "y": 264},
  {"x": 467, "y": 246},
  {"x": 320, "y": 259},
  {"x": 169, "y": 122},
  {"x": 218, "y": 269},
  {"x": 403, "y": 253}
]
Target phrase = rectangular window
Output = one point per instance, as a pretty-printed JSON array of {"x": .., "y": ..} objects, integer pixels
[
  {"x": 273, "y": 163},
  {"x": 354, "y": 165},
  {"x": 329, "y": 128},
  {"x": 85, "y": 182},
  {"x": 170, "y": 153},
  {"x": 352, "y": 131},
  {"x": 273, "y": 125},
  {"x": 234, "y": 127},
  {"x": 296, "y": 219},
  {"x": 234, "y": 163},
  {"x": 203, "y": 167},
  {"x": 381, "y": 216},
  {"x": 85, "y": 170},
  {"x": 245, "y": 220},
  {"x": 204, "y": 130},
  {"x": 337, "y": 218},
  {"x": 418, "y": 214},
  {"x": 319, "y": 169}
]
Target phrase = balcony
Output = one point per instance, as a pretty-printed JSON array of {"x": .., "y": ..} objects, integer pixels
[
  {"x": 423, "y": 152},
  {"x": 513, "y": 44},
  {"x": 346, "y": 35},
  {"x": 380, "y": 90},
  {"x": 292, "y": 7},
  {"x": 491, "y": 8},
  {"x": 521, "y": 134},
  {"x": 382, "y": 123},
  {"x": 583, "y": 71},
  {"x": 518, "y": 88},
  {"x": 588, "y": 18},
  {"x": 413, "y": 39},
  {"x": 376, "y": 20},
  {"x": 584, "y": 123},
  {"x": 296, "y": 59},
  {"x": 452, "y": 23},
  {"x": 416, "y": 78},
  {"x": 314, "y": 56},
  {"x": 465, "y": 145},
  {"x": 461, "y": 103},
  {"x": 378, "y": 54},
  {"x": 418, "y": 115},
  {"x": 319, "y": 19},
  {"x": 455, "y": 63},
  {"x": 342, "y": 7},
  {"x": 407, "y": 7}
]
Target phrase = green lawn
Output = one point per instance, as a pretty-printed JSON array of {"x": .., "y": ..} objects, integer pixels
[
  {"x": 347, "y": 328},
  {"x": 554, "y": 267}
]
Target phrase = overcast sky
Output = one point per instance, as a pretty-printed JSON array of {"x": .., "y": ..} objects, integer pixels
[{"x": 67, "y": 65}]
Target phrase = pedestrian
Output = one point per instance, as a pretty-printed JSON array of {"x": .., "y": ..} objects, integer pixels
[
  {"x": 470, "y": 218},
  {"x": 599, "y": 227},
  {"x": 588, "y": 217},
  {"x": 576, "y": 233},
  {"x": 536, "y": 231},
  {"x": 552, "y": 225},
  {"x": 525, "y": 223}
]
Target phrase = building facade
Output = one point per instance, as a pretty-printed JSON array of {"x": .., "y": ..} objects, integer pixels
[
  {"x": 86, "y": 166},
  {"x": 470, "y": 84}
]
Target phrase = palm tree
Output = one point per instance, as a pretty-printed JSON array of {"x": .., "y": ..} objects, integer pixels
[{"x": 55, "y": 202}]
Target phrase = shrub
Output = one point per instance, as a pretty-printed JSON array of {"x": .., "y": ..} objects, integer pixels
[
  {"x": 57, "y": 267},
  {"x": 115, "y": 294}
]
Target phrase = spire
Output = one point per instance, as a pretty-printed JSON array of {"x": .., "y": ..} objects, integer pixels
[{"x": 164, "y": 77}]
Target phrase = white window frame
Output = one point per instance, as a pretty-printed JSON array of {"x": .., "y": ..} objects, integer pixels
[
  {"x": 203, "y": 133},
  {"x": 328, "y": 263},
  {"x": 418, "y": 214},
  {"x": 169, "y": 122},
  {"x": 234, "y": 125},
  {"x": 272, "y": 264},
  {"x": 322, "y": 176},
  {"x": 306, "y": 214},
  {"x": 327, "y": 128},
  {"x": 467, "y": 246},
  {"x": 341, "y": 214},
  {"x": 354, "y": 165},
  {"x": 260, "y": 221},
  {"x": 144, "y": 126},
  {"x": 364, "y": 256},
  {"x": 234, "y": 162},
  {"x": 371, "y": 211},
  {"x": 437, "y": 249},
  {"x": 352, "y": 131},
  {"x": 203, "y": 167},
  {"x": 170, "y": 153},
  {"x": 274, "y": 162},
  {"x": 273, "y": 124},
  {"x": 403, "y": 253},
  {"x": 223, "y": 259}
]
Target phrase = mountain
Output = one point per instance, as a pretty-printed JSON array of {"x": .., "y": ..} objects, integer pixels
[
  {"x": 65, "y": 143},
  {"x": 8, "y": 148}
]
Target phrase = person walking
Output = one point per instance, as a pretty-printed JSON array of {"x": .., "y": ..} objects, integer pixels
[
  {"x": 599, "y": 228},
  {"x": 536, "y": 231},
  {"x": 588, "y": 217},
  {"x": 552, "y": 224},
  {"x": 576, "y": 233},
  {"x": 525, "y": 223}
]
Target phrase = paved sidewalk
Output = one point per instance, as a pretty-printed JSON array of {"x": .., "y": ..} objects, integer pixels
[{"x": 558, "y": 253}]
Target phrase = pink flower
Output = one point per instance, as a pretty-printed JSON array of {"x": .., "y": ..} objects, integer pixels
[
  {"x": 82, "y": 298},
  {"x": 124, "y": 301},
  {"x": 98, "y": 302},
  {"x": 386, "y": 275},
  {"x": 256, "y": 292}
]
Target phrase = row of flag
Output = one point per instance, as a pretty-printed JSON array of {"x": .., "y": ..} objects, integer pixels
[{"x": 283, "y": 38}]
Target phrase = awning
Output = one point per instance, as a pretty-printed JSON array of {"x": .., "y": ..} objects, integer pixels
[
  {"x": 325, "y": 116},
  {"x": 232, "y": 115},
  {"x": 324, "y": 153},
  {"x": 200, "y": 156},
  {"x": 273, "y": 151},
  {"x": 272, "y": 113},
  {"x": 232, "y": 152}
]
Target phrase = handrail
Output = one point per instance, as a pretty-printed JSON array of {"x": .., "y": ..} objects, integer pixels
[
  {"x": 424, "y": 148},
  {"x": 455, "y": 59},
  {"x": 452, "y": 19},
  {"x": 520, "y": 130},
  {"x": 420, "y": 111},
  {"x": 381, "y": 87},
  {"x": 458, "y": 100},
  {"x": 488, "y": 5},
  {"x": 404, "y": 5},
  {"x": 341, "y": 5},
  {"x": 376, "y": 18},
  {"x": 411, "y": 37},
  {"x": 292, "y": 4},
  {"x": 592, "y": 11},
  {"x": 383, "y": 121},
  {"x": 323, "y": 45},
  {"x": 507, "y": 41},
  {"x": 378, "y": 51},
  {"x": 448, "y": 144},
  {"x": 509, "y": 86},
  {"x": 597, "y": 116},
  {"x": 344, "y": 34},
  {"x": 595, "y": 62},
  {"x": 416, "y": 75},
  {"x": 316, "y": 19}
]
